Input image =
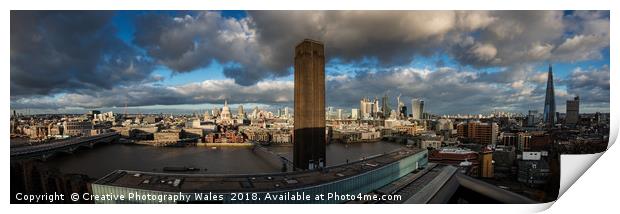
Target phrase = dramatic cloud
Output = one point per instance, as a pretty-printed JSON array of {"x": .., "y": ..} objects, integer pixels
[
  {"x": 590, "y": 34},
  {"x": 445, "y": 91},
  {"x": 68, "y": 51},
  {"x": 190, "y": 42},
  {"x": 485, "y": 59},
  {"x": 592, "y": 84},
  {"x": 260, "y": 45},
  {"x": 209, "y": 91}
]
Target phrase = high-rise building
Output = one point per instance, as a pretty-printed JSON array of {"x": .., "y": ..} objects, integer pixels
[
  {"x": 385, "y": 106},
  {"x": 572, "y": 111},
  {"x": 339, "y": 115},
  {"x": 401, "y": 108},
  {"x": 422, "y": 109},
  {"x": 532, "y": 118},
  {"x": 417, "y": 108},
  {"x": 549, "y": 112},
  {"x": 366, "y": 107},
  {"x": 355, "y": 113},
  {"x": 375, "y": 108},
  {"x": 286, "y": 114},
  {"x": 309, "y": 124},
  {"x": 330, "y": 113}
]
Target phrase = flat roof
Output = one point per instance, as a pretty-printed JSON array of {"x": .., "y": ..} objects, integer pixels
[
  {"x": 419, "y": 185},
  {"x": 178, "y": 182},
  {"x": 311, "y": 40}
]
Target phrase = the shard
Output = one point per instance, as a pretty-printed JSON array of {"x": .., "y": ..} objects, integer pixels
[{"x": 549, "y": 112}]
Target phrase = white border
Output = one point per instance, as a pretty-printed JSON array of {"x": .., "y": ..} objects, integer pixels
[{"x": 595, "y": 190}]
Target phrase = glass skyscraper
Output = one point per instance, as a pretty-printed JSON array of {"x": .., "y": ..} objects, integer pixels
[{"x": 549, "y": 112}]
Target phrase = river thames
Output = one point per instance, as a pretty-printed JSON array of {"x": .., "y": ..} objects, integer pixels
[{"x": 104, "y": 159}]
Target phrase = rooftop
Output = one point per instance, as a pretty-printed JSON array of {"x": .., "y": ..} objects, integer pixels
[
  {"x": 312, "y": 41},
  {"x": 175, "y": 182}
]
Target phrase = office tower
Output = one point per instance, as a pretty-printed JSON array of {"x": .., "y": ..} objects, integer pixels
[
  {"x": 366, "y": 107},
  {"x": 362, "y": 107},
  {"x": 331, "y": 114},
  {"x": 422, "y": 109},
  {"x": 531, "y": 118},
  {"x": 309, "y": 124},
  {"x": 286, "y": 114},
  {"x": 417, "y": 108},
  {"x": 549, "y": 112},
  {"x": 572, "y": 111},
  {"x": 401, "y": 108},
  {"x": 385, "y": 106},
  {"x": 375, "y": 108},
  {"x": 339, "y": 115},
  {"x": 355, "y": 113}
]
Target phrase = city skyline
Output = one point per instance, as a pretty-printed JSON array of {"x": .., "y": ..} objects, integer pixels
[
  {"x": 457, "y": 132},
  {"x": 470, "y": 63}
]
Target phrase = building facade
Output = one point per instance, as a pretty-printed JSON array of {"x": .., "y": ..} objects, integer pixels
[
  {"x": 549, "y": 112},
  {"x": 309, "y": 124},
  {"x": 572, "y": 111},
  {"x": 476, "y": 132},
  {"x": 417, "y": 108}
]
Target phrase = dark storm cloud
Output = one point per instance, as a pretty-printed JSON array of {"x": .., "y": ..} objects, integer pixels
[
  {"x": 189, "y": 42},
  {"x": 69, "y": 51},
  {"x": 369, "y": 52},
  {"x": 516, "y": 37},
  {"x": 260, "y": 45}
]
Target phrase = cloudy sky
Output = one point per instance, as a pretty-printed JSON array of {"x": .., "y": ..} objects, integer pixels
[{"x": 457, "y": 61}]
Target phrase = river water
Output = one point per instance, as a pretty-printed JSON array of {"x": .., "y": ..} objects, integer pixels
[{"x": 104, "y": 159}]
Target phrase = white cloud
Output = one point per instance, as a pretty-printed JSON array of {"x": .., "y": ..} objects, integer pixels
[
  {"x": 581, "y": 47},
  {"x": 484, "y": 52}
]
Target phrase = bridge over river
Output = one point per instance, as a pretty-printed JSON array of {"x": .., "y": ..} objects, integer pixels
[{"x": 44, "y": 151}]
